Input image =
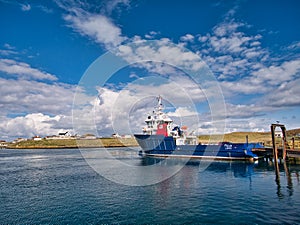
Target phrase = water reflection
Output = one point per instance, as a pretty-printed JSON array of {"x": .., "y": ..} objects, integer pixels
[
  {"x": 283, "y": 180},
  {"x": 284, "y": 173},
  {"x": 238, "y": 169}
]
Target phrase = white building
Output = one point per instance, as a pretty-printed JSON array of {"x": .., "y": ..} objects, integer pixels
[
  {"x": 37, "y": 138},
  {"x": 278, "y": 134},
  {"x": 3, "y": 144}
]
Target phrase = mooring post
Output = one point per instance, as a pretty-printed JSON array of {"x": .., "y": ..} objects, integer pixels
[
  {"x": 275, "y": 152},
  {"x": 284, "y": 142},
  {"x": 273, "y": 138},
  {"x": 276, "y": 164},
  {"x": 293, "y": 143}
]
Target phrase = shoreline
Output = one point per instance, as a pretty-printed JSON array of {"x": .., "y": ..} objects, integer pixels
[
  {"x": 68, "y": 147},
  {"x": 74, "y": 143}
]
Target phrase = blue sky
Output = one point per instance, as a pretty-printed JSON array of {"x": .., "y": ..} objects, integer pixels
[{"x": 251, "y": 48}]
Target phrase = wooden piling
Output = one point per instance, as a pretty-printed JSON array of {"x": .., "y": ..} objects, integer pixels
[
  {"x": 284, "y": 142},
  {"x": 275, "y": 149},
  {"x": 283, "y": 130}
]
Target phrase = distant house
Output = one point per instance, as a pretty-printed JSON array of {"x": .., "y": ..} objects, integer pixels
[
  {"x": 116, "y": 135},
  {"x": 37, "y": 138},
  {"x": 278, "y": 134},
  {"x": 61, "y": 135},
  {"x": 3, "y": 144}
]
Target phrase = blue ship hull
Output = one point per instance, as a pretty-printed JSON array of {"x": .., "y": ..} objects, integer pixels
[{"x": 161, "y": 146}]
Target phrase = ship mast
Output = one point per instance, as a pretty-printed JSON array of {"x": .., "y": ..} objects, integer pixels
[{"x": 160, "y": 105}]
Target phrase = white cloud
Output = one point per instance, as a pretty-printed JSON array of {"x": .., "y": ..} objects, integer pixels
[
  {"x": 8, "y": 46},
  {"x": 25, "y": 7},
  {"x": 113, "y": 4},
  {"x": 276, "y": 74},
  {"x": 45, "y": 9},
  {"x": 22, "y": 96},
  {"x": 253, "y": 124},
  {"x": 230, "y": 52},
  {"x": 294, "y": 46},
  {"x": 245, "y": 110},
  {"x": 34, "y": 108},
  {"x": 151, "y": 35},
  {"x": 24, "y": 70},
  {"x": 29, "y": 126},
  {"x": 234, "y": 43},
  {"x": 183, "y": 112},
  {"x": 226, "y": 28},
  {"x": 286, "y": 95},
  {"x": 124, "y": 111},
  {"x": 6, "y": 52},
  {"x": 161, "y": 51},
  {"x": 248, "y": 71},
  {"x": 96, "y": 26},
  {"x": 265, "y": 80},
  {"x": 187, "y": 38}
]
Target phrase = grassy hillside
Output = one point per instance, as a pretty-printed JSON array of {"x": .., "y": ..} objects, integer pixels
[
  {"x": 238, "y": 137},
  {"x": 263, "y": 137},
  {"x": 72, "y": 143},
  {"x": 293, "y": 132}
]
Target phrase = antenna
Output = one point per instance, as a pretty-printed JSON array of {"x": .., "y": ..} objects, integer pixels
[{"x": 160, "y": 105}]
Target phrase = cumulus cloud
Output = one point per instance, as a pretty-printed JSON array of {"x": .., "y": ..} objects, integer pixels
[
  {"x": 34, "y": 108},
  {"x": 286, "y": 95},
  {"x": 187, "y": 38},
  {"x": 242, "y": 65},
  {"x": 25, "y": 7},
  {"x": 277, "y": 74},
  {"x": 8, "y": 50},
  {"x": 230, "y": 52},
  {"x": 124, "y": 111},
  {"x": 33, "y": 96},
  {"x": 163, "y": 52},
  {"x": 151, "y": 35},
  {"x": 292, "y": 47},
  {"x": 29, "y": 126},
  {"x": 96, "y": 26},
  {"x": 24, "y": 70}
]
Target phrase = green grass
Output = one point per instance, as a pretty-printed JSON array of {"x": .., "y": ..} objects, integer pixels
[
  {"x": 240, "y": 137},
  {"x": 72, "y": 143}
]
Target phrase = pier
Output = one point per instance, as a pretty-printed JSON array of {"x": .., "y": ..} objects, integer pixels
[{"x": 286, "y": 152}]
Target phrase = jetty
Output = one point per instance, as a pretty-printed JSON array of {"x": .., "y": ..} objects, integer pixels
[
  {"x": 283, "y": 151},
  {"x": 279, "y": 155}
]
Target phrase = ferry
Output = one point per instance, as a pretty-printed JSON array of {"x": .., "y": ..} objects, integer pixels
[{"x": 161, "y": 139}]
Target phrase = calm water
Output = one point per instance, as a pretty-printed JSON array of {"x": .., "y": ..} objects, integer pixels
[{"x": 58, "y": 187}]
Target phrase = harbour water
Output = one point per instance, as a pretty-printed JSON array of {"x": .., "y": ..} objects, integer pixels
[{"x": 57, "y": 186}]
